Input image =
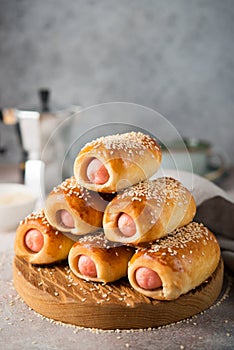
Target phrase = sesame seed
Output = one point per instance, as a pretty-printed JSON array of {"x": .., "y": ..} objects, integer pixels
[
  {"x": 178, "y": 239},
  {"x": 164, "y": 190},
  {"x": 40, "y": 217},
  {"x": 130, "y": 143},
  {"x": 70, "y": 187},
  {"x": 99, "y": 240}
]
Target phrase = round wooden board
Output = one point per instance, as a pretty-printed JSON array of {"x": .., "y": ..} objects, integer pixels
[{"x": 56, "y": 293}]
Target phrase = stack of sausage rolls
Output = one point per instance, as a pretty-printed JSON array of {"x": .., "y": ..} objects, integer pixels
[{"x": 111, "y": 221}]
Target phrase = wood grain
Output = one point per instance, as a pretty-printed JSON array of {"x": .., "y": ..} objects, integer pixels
[{"x": 54, "y": 292}]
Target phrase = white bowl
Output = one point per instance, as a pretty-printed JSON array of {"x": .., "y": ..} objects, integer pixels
[{"x": 16, "y": 202}]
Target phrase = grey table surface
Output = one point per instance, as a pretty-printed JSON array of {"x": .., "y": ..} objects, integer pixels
[{"x": 22, "y": 328}]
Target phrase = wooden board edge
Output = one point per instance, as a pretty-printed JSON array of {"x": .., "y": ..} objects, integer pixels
[{"x": 105, "y": 316}]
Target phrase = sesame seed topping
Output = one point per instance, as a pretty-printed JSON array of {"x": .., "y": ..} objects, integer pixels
[
  {"x": 163, "y": 190},
  {"x": 35, "y": 216},
  {"x": 178, "y": 239},
  {"x": 70, "y": 187},
  {"x": 98, "y": 239},
  {"x": 131, "y": 143}
]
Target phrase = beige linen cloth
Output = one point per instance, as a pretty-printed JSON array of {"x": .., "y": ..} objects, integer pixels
[{"x": 215, "y": 209}]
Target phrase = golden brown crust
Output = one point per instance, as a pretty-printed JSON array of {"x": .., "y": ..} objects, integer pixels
[
  {"x": 111, "y": 260},
  {"x": 86, "y": 207},
  {"x": 183, "y": 260},
  {"x": 157, "y": 208},
  {"x": 56, "y": 245},
  {"x": 129, "y": 158}
]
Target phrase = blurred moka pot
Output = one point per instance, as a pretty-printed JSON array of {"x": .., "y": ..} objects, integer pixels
[
  {"x": 25, "y": 124},
  {"x": 27, "y": 127},
  {"x": 34, "y": 127},
  {"x": 52, "y": 116},
  {"x": 204, "y": 160},
  {"x": 55, "y": 127}
]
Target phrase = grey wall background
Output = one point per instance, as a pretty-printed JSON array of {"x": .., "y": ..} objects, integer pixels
[{"x": 176, "y": 57}]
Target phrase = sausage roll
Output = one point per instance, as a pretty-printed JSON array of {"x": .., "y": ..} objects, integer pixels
[
  {"x": 112, "y": 163},
  {"x": 175, "y": 264},
  {"x": 94, "y": 258},
  {"x": 37, "y": 242},
  {"x": 72, "y": 208},
  {"x": 148, "y": 211}
]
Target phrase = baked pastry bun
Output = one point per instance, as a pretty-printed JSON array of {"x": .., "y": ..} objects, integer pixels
[
  {"x": 112, "y": 163},
  {"x": 72, "y": 208},
  {"x": 37, "y": 242},
  {"x": 176, "y": 264},
  {"x": 94, "y": 258},
  {"x": 148, "y": 211}
]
